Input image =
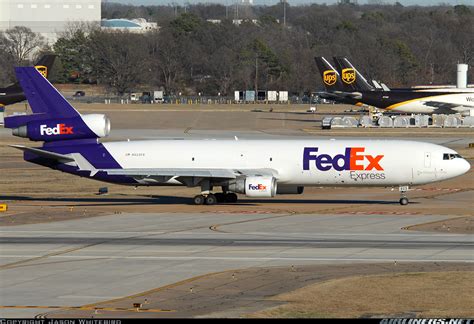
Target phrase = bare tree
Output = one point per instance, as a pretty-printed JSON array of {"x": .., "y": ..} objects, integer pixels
[
  {"x": 166, "y": 59},
  {"x": 75, "y": 27},
  {"x": 20, "y": 43},
  {"x": 118, "y": 59}
]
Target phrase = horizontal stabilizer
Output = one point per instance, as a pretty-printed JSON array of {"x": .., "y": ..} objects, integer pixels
[
  {"x": 376, "y": 85},
  {"x": 354, "y": 95},
  {"x": 338, "y": 95},
  {"x": 45, "y": 154}
]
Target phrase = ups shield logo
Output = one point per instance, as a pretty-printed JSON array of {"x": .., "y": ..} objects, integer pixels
[
  {"x": 43, "y": 70},
  {"x": 329, "y": 77},
  {"x": 348, "y": 75}
]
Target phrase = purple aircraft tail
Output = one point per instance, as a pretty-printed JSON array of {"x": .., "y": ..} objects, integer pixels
[
  {"x": 42, "y": 96},
  {"x": 53, "y": 118}
]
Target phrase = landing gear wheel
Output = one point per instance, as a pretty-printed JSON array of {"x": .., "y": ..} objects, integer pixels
[
  {"x": 220, "y": 196},
  {"x": 199, "y": 200},
  {"x": 231, "y": 197},
  {"x": 211, "y": 199},
  {"x": 403, "y": 201}
]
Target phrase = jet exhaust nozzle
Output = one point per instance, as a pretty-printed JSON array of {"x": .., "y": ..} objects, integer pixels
[{"x": 21, "y": 131}]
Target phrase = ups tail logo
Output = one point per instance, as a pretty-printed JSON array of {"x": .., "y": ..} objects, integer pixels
[
  {"x": 330, "y": 77},
  {"x": 348, "y": 75},
  {"x": 43, "y": 70}
]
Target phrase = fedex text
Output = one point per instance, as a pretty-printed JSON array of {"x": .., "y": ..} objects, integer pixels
[
  {"x": 60, "y": 129},
  {"x": 353, "y": 159}
]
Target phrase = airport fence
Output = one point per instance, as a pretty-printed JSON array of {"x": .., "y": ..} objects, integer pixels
[{"x": 187, "y": 100}]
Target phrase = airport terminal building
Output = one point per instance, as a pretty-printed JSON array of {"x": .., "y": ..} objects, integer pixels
[{"x": 48, "y": 17}]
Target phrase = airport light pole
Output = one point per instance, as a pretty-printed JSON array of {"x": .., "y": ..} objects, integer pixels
[
  {"x": 284, "y": 13},
  {"x": 256, "y": 74},
  {"x": 175, "y": 9},
  {"x": 236, "y": 10}
]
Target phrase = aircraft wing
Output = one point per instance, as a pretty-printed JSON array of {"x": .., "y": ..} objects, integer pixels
[
  {"x": 178, "y": 172},
  {"x": 187, "y": 174},
  {"x": 445, "y": 107}
]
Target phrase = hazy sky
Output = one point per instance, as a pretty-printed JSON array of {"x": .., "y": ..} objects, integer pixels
[{"x": 270, "y": 2}]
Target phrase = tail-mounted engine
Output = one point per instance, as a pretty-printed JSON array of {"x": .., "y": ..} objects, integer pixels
[{"x": 48, "y": 130}]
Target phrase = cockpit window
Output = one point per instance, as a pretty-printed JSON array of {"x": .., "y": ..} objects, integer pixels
[{"x": 451, "y": 156}]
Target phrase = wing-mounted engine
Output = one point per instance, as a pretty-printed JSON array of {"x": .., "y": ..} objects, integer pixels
[{"x": 257, "y": 186}]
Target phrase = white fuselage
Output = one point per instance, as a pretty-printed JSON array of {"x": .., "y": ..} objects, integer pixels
[
  {"x": 300, "y": 162},
  {"x": 460, "y": 102}
]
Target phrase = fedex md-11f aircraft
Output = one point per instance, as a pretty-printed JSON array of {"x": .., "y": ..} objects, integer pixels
[{"x": 256, "y": 168}]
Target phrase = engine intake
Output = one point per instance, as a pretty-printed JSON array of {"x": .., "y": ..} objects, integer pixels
[
  {"x": 98, "y": 123},
  {"x": 254, "y": 186}
]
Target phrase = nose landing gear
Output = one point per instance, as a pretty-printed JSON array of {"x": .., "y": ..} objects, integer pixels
[{"x": 403, "y": 199}]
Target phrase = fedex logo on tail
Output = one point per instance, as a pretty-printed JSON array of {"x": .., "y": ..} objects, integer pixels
[
  {"x": 353, "y": 159},
  {"x": 60, "y": 129}
]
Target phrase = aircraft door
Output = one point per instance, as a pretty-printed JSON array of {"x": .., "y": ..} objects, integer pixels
[{"x": 427, "y": 159}]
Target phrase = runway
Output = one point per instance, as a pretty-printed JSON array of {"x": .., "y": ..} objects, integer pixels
[{"x": 85, "y": 261}]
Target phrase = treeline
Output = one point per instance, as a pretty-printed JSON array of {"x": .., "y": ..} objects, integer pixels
[{"x": 400, "y": 46}]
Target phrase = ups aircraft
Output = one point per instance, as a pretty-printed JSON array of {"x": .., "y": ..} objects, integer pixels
[
  {"x": 347, "y": 85},
  {"x": 14, "y": 93},
  {"x": 335, "y": 89}
]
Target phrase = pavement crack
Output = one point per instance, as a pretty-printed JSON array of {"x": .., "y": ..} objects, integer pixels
[
  {"x": 66, "y": 251},
  {"x": 216, "y": 227},
  {"x": 45, "y": 256}
]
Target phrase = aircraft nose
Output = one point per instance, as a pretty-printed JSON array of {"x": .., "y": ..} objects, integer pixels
[{"x": 462, "y": 167}]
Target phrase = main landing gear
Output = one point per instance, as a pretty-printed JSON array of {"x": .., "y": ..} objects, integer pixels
[
  {"x": 208, "y": 198},
  {"x": 403, "y": 199},
  {"x": 212, "y": 199}
]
